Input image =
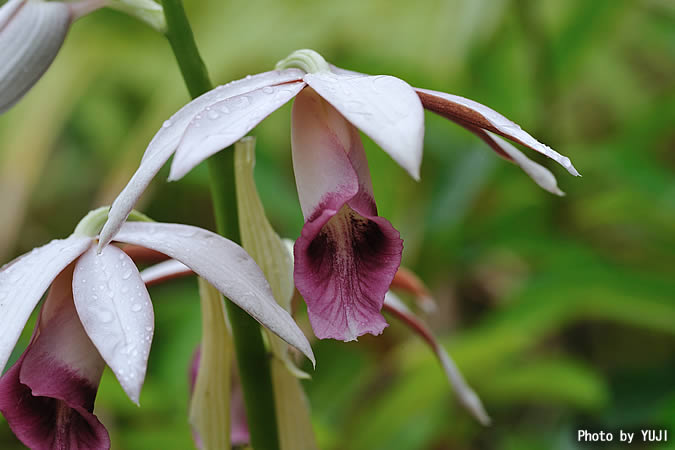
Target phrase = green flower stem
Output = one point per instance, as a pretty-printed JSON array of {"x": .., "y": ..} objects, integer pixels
[{"x": 252, "y": 356}]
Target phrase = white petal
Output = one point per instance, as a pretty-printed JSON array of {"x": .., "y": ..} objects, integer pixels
[
  {"x": 540, "y": 174},
  {"x": 385, "y": 108},
  {"x": 174, "y": 128},
  {"x": 467, "y": 111},
  {"x": 165, "y": 270},
  {"x": 223, "y": 264},
  {"x": 62, "y": 340},
  {"x": 322, "y": 142},
  {"x": 116, "y": 312},
  {"x": 31, "y": 34},
  {"x": 167, "y": 138},
  {"x": 466, "y": 396},
  {"x": 225, "y": 122},
  {"x": 8, "y": 11},
  {"x": 340, "y": 71},
  {"x": 25, "y": 280}
]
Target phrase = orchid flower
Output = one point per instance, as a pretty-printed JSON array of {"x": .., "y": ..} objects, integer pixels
[
  {"x": 32, "y": 33},
  {"x": 99, "y": 312},
  {"x": 346, "y": 256}
]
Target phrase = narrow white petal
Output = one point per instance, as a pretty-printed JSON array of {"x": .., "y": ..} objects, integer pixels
[
  {"x": 540, "y": 174},
  {"x": 223, "y": 123},
  {"x": 393, "y": 301},
  {"x": 116, "y": 312},
  {"x": 174, "y": 128},
  {"x": 465, "y": 394},
  {"x": 25, "y": 280},
  {"x": 167, "y": 138},
  {"x": 385, "y": 108},
  {"x": 31, "y": 34},
  {"x": 165, "y": 270},
  {"x": 223, "y": 264},
  {"x": 465, "y": 111}
]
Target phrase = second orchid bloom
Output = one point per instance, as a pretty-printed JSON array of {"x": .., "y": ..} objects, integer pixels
[
  {"x": 346, "y": 256},
  {"x": 98, "y": 312}
]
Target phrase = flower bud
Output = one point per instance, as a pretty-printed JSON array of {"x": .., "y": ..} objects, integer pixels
[{"x": 31, "y": 34}]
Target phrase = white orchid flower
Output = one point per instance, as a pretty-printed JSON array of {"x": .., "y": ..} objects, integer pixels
[
  {"x": 346, "y": 256},
  {"x": 99, "y": 312}
]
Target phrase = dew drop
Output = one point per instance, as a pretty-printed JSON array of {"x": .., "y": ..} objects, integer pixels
[
  {"x": 268, "y": 90},
  {"x": 136, "y": 307},
  {"x": 166, "y": 124},
  {"x": 242, "y": 102},
  {"x": 213, "y": 115},
  {"x": 248, "y": 77},
  {"x": 105, "y": 316},
  {"x": 126, "y": 275},
  {"x": 224, "y": 109}
]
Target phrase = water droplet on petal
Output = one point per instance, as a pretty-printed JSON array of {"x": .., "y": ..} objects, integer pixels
[
  {"x": 242, "y": 102},
  {"x": 136, "y": 307},
  {"x": 213, "y": 115},
  {"x": 224, "y": 109},
  {"x": 166, "y": 124},
  {"x": 105, "y": 316},
  {"x": 268, "y": 90},
  {"x": 126, "y": 275}
]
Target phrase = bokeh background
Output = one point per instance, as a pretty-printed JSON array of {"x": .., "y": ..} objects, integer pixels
[{"x": 559, "y": 311}]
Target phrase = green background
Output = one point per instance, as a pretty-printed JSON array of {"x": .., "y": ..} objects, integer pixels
[{"x": 559, "y": 311}]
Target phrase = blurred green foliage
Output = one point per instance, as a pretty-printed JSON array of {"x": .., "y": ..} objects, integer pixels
[{"x": 559, "y": 311}]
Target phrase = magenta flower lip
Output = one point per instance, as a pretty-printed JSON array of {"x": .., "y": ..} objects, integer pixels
[{"x": 346, "y": 256}]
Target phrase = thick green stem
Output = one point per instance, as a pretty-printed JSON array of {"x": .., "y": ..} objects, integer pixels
[{"x": 252, "y": 356}]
